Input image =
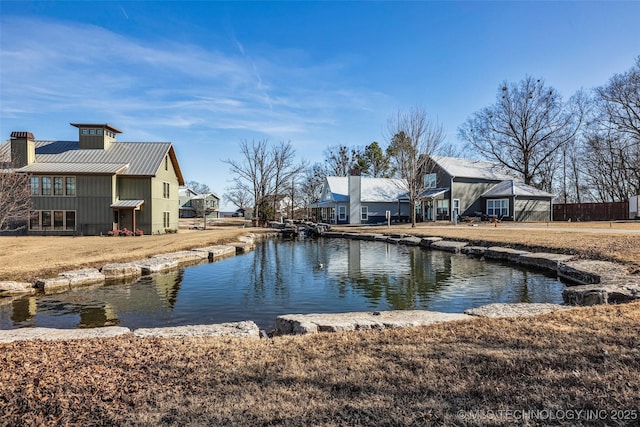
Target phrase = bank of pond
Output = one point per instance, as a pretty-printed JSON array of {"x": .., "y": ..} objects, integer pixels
[{"x": 336, "y": 273}]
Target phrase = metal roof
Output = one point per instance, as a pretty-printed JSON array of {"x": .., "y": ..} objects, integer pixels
[
  {"x": 432, "y": 192},
  {"x": 512, "y": 188},
  {"x": 97, "y": 125},
  {"x": 132, "y": 204},
  {"x": 142, "y": 158},
  {"x": 466, "y": 168},
  {"x": 75, "y": 168},
  {"x": 371, "y": 189}
]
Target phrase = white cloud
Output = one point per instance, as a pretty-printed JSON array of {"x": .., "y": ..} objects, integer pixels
[{"x": 76, "y": 67}]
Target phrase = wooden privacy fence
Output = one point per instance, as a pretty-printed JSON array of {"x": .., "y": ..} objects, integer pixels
[{"x": 591, "y": 211}]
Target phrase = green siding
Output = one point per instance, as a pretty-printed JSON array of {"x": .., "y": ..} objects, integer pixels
[
  {"x": 469, "y": 192},
  {"x": 160, "y": 204},
  {"x": 532, "y": 209}
]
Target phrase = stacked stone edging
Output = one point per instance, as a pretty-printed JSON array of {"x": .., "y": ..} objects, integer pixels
[
  {"x": 11, "y": 288},
  {"x": 245, "y": 329},
  {"x": 296, "y": 324},
  {"x": 502, "y": 310},
  {"x": 130, "y": 271}
]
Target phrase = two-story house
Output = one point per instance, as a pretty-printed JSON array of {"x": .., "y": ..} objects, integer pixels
[
  {"x": 193, "y": 204},
  {"x": 455, "y": 187},
  {"x": 97, "y": 184}
]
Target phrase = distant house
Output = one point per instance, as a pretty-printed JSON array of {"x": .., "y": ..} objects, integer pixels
[
  {"x": 361, "y": 200},
  {"x": 185, "y": 195},
  {"x": 194, "y": 205},
  {"x": 455, "y": 187},
  {"x": 97, "y": 184}
]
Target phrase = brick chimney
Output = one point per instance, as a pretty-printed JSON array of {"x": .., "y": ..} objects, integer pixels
[{"x": 23, "y": 149}]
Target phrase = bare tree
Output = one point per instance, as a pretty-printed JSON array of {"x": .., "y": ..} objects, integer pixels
[
  {"x": 311, "y": 183},
  {"x": 524, "y": 130},
  {"x": 414, "y": 138},
  {"x": 285, "y": 170},
  {"x": 238, "y": 195},
  {"x": 340, "y": 160},
  {"x": 255, "y": 174},
  {"x": 198, "y": 187},
  {"x": 15, "y": 199},
  {"x": 612, "y": 149}
]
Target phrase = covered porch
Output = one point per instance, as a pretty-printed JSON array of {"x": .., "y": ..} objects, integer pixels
[{"x": 125, "y": 214}]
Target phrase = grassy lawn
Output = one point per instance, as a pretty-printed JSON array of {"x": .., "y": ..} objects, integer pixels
[{"x": 574, "y": 367}]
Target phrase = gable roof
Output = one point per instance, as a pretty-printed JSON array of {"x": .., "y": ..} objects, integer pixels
[
  {"x": 124, "y": 158},
  {"x": 478, "y": 169},
  {"x": 371, "y": 189},
  {"x": 510, "y": 188}
]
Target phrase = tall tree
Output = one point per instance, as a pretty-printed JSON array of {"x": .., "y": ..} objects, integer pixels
[
  {"x": 255, "y": 174},
  {"x": 285, "y": 171},
  {"x": 612, "y": 149},
  {"x": 524, "y": 130},
  {"x": 15, "y": 199},
  {"x": 238, "y": 195},
  {"x": 414, "y": 138},
  {"x": 198, "y": 187},
  {"x": 373, "y": 162},
  {"x": 311, "y": 183},
  {"x": 340, "y": 160}
]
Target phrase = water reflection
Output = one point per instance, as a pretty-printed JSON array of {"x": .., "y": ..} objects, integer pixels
[{"x": 282, "y": 277}]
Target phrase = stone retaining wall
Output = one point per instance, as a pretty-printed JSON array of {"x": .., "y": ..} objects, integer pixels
[{"x": 131, "y": 271}]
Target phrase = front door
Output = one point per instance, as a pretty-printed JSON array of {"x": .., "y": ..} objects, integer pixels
[{"x": 116, "y": 219}]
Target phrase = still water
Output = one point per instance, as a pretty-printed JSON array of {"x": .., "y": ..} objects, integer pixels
[{"x": 284, "y": 277}]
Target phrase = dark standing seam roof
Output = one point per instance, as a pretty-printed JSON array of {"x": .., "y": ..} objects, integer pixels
[{"x": 143, "y": 158}]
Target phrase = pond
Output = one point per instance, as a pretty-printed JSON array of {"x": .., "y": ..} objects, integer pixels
[{"x": 285, "y": 277}]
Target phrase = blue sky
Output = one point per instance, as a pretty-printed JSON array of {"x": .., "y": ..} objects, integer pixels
[{"x": 205, "y": 74}]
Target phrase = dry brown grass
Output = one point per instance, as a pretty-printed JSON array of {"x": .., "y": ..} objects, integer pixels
[
  {"x": 585, "y": 358},
  {"x": 26, "y": 258},
  {"x": 582, "y": 359}
]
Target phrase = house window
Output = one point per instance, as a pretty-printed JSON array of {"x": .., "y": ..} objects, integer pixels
[
  {"x": 58, "y": 220},
  {"x": 324, "y": 214},
  {"x": 166, "y": 163},
  {"x": 99, "y": 131},
  {"x": 430, "y": 180},
  {"x": 84, "y": 131},
  {"x": 442, "y": 208},
  {"x": 46, "y": 220},
  {"x": 364, "y": 213},
  {"x": 342, "y": 213},
  {"x": 92, "y": 131},
  {"x": 58, "y": 186},
  {"x": 71, "y": 185},
  {"x": 165, "y": 190},
  {"x": 46, "y": 185},
  {"x": 70, "y": 220},
  {"x": 165, "y": 219},
  {"x": 34, "y": 183},
  {"x": 34, "y": 220},
  {"x": 498, "y": 207}
]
